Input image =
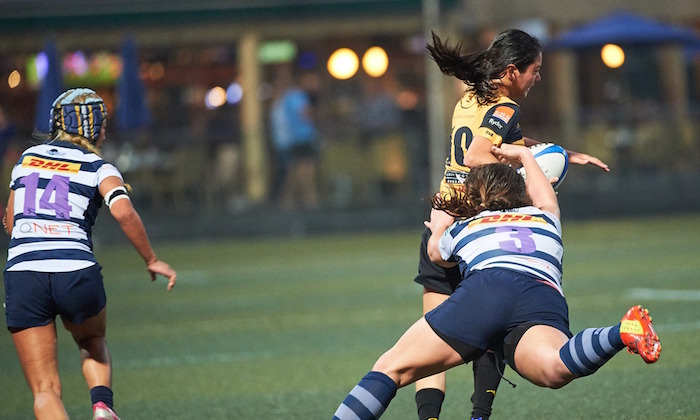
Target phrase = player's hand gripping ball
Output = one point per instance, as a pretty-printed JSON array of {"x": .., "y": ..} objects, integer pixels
[{"x": 553, "y": 160}]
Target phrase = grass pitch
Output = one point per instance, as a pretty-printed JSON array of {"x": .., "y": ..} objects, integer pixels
[{"x": 284, "y": 328}]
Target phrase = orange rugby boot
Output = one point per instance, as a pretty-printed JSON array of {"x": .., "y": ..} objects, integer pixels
[{"x": 638, "y": 334}]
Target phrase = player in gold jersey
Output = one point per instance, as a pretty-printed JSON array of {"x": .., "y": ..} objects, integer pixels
[{"x": 486, "y": 115}]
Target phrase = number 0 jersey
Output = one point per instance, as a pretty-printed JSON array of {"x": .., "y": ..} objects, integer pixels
[
  {"x": 499, "y": 123},
  {"x": 56, "y": 200},
  {"x": 526, "y": 239}
]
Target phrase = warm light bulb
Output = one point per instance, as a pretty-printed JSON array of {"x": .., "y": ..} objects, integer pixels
[
  {"x": 343, "y": 63},
  {"x": 375, "y": 61},
  {"x": 613, "y": 56}
]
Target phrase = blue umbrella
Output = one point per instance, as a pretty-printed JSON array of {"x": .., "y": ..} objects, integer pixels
[
  {"x": 132, "y": 110},
  {"x": 51, "y": 87},
  {"x": 624, "y": 28}
]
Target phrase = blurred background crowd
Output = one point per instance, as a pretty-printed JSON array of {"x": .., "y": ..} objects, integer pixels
[{"x": 278, "y": 117}]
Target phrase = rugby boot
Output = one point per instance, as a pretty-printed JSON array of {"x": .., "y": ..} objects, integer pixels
[
  {"x": 638, "y": 334},
  {"x": 100, "y": 411}
]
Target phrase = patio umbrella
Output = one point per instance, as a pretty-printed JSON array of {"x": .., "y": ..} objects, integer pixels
[
  {"x": 623, "y": 28},
  {"x": 132, "y": 110},
  {"x": 51, "y": 87}
]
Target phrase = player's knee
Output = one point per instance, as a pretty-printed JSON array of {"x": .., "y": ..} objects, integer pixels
[
  {"x": 553, "y": 377},
  {"x": 544, "y": 366},
  {"x": 386, "y": 364}
]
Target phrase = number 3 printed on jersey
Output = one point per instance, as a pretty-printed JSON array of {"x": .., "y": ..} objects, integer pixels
[
  {"x": 54, "y": 195},
  {"x": 519, "y": 235}
]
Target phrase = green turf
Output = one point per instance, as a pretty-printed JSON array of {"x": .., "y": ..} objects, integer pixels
[{"x": 283, "y": 329}]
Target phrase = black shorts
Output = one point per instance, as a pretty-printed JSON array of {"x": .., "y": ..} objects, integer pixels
[
  {"x": 432, "y": 276},
  {"x": 34, "y": 299}
]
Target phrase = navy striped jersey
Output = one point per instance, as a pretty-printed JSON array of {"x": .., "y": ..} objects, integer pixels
[
  {"x": 56, "y": 200},
  {"x": 525, "y": 239}
]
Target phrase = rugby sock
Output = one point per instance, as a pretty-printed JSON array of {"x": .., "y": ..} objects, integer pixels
[
  {"x": 429, "y": 402},
  {"x": 488, "y": 370},
  {"x": 104, "y": 394},
  {"x": 590, "y": 349},
  {"x": 369, "y": 398}
]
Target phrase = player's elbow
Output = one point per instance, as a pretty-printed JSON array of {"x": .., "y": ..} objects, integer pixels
[{"x": 123, "y": 211}]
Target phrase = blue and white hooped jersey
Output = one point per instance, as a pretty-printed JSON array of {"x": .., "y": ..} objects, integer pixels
[
  {"x": 56, "y": 200},
  {"x": 526, "y": 240}
]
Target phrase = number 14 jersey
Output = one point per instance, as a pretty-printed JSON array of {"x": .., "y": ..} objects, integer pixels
[{"x": 56, "y": 201}]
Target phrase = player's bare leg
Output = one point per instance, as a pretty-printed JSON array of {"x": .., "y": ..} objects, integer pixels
[{"x": 37, "y": 351}]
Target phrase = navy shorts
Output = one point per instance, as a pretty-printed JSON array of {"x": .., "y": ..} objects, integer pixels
[
  {"x": 490, "y": 303},
  {"x": 33, "y": 299},
  {"x": 432, "y": 276}
]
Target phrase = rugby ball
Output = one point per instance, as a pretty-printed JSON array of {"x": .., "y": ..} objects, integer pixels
[{"x": 553, "y": 160}]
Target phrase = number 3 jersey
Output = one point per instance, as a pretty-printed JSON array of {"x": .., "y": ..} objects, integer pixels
[
  {"x": 526, "y": 240},
  {"x": 56, "y": 200}
]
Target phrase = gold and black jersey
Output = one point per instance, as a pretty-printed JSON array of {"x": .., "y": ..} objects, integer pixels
[{"x": 498, "y": 122}]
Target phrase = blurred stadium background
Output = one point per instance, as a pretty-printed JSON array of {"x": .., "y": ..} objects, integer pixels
[
  {"x": 198, "y": 150},
  {"x": 279, "y": 312}
]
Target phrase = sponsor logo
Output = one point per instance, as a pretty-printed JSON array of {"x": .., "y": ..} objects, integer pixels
[
  {"x": 494, "y": 122},
  {"x": 454, "y": 177},
  {"x": 504, "y": 113},
  {"x": 507, "y": 218},
  {"x": 54, "y": 229},
  {"x": 49, "y": 164}
]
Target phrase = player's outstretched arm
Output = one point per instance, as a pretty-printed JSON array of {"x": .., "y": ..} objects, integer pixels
[
  {"x": 131, "y": 224},
  {"x": 584, "y": 159},
  {"x": 577, "y": 158}
]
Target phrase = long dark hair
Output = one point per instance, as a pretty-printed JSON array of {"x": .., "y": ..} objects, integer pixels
[
  {"x": 493, "y": 186},
  {"x": 478, "y": 70}
]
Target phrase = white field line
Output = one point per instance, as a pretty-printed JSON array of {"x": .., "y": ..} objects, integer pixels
[
  {"x": 679, "y": 327},
  {"x": 195, "y": 359},
  {"x": 665, "y": 294},
  {"x": 673, "y": 295}
]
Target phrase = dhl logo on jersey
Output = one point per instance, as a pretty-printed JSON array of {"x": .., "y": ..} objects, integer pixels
[
  {"x": 51, "y": 165},
  {"x": 507, "y": 218}
]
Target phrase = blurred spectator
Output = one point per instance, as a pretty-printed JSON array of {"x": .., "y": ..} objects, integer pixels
[
  {"x": 295, "y": 139},
  {"x": 381, "y": 142}
]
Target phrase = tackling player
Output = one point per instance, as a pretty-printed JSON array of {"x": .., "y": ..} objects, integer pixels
[
  {"x": 485, "y": 116},
  {"x": 508, "y": 246}
]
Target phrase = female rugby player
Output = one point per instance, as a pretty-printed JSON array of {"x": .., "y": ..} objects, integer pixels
[
  {"x": 486, "y": 115},
  {"x": 56, "y": 191},
  {"x": 504, "y": 233}
]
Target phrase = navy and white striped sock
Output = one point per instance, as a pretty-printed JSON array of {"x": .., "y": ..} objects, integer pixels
[
  {"x": 369, "y": 398},
  {"x": 590, "y": 349}
]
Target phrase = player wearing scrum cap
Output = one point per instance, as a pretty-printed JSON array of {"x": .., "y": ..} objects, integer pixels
[{"x": 56, "y": 190}]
